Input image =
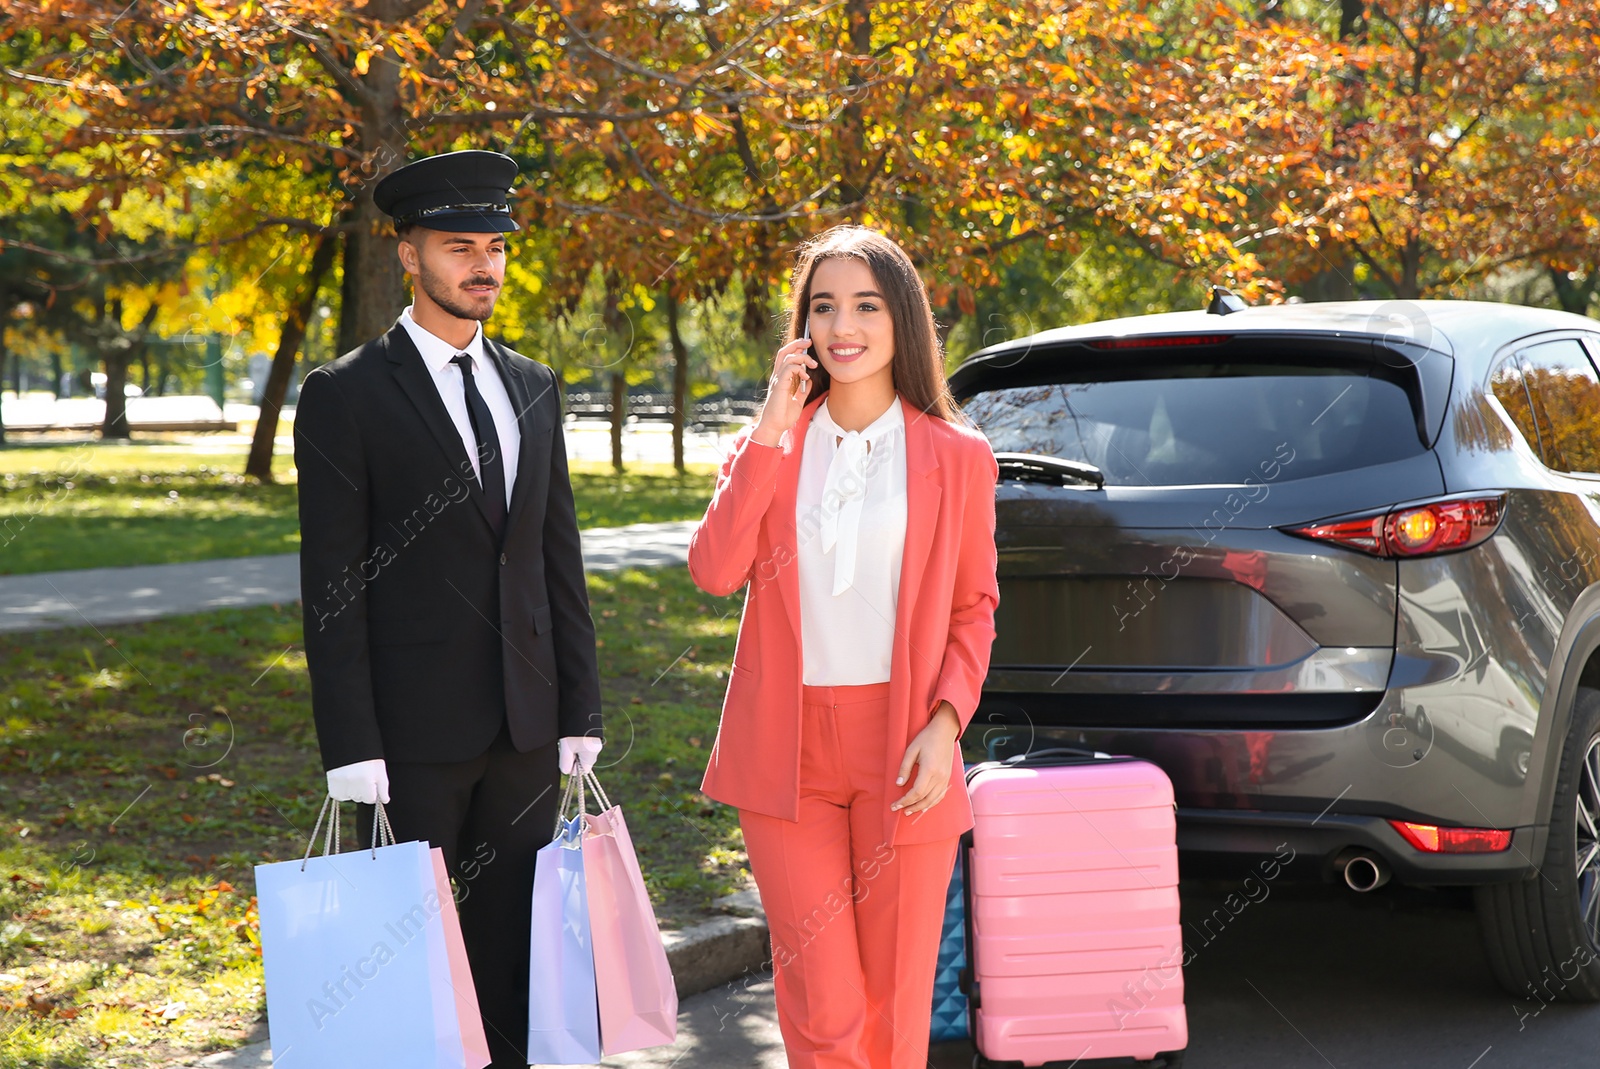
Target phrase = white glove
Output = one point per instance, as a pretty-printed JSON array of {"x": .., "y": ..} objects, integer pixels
[
  {"x": 364, "y": 781},
  {"x": 583, "y": 748}
]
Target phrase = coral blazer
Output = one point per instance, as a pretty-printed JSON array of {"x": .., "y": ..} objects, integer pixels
[{"x": 944, "y": 613}]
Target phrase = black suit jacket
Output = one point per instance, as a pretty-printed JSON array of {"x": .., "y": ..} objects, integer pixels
[{"x": 423, "y": 632}]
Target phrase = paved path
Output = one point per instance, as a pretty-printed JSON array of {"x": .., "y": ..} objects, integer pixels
[
  {"x": 1303, "y": 978},
  {"x": 101, "y": 596}
]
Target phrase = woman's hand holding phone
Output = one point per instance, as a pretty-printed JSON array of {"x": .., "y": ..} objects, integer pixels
[{"x": 786, "y": 391}]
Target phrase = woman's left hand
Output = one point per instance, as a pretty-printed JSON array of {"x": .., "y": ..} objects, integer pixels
[{"x": 932, "y": 752}]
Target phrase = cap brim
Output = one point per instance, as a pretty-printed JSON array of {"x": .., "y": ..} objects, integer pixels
[{"x": 470, "y": 223}]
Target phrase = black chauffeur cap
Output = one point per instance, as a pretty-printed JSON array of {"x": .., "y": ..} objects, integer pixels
[{"x": 456, "y": 191}]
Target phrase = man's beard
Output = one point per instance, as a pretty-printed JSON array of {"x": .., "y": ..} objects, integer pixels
[{"x": 452, "y": 301}]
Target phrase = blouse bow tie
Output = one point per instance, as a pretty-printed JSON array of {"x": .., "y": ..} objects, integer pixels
[{"x": 843, "y": 493}]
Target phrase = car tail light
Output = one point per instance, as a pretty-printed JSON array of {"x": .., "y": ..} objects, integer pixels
[
  {"x": 1414, "y": 530},
  {"x": 1159, "y": 342},
  {"x": 1432, "y": 839}
]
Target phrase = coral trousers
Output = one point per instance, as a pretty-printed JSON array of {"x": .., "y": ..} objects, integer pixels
[{"x": 855, "y": 922}]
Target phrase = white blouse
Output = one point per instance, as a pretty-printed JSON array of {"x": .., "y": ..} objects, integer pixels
[{"x": 850, "y": 518}]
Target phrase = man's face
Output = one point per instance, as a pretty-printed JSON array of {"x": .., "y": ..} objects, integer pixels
[{"x": 461, "y": 273}]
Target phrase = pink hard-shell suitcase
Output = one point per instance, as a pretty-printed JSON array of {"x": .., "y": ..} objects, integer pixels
[{"x": 1074, "y": 949}]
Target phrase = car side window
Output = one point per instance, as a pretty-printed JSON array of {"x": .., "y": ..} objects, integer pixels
[
  {"x": 1565, "y": 392},
  {"x": 1512, "y": 392}
]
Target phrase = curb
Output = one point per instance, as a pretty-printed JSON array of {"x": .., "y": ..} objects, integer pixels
[
  {"x": 720, "y": 950},
  {"x": 706, "y": 955}
]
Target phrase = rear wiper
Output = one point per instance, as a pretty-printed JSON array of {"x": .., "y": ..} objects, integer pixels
[{"x": 1033, "y": 468}]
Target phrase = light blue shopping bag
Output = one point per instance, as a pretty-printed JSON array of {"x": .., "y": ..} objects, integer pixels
[
  {"x": 563, "y": 1005},
  {"x": 357, "y": 969}
]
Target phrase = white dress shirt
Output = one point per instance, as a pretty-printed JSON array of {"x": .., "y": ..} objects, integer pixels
[
  {"x": 850, "y": 519},
  {"x": 436, "y": 355}
]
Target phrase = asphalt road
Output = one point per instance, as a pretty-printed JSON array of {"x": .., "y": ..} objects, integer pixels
[{"x": 1307, "y": 978}]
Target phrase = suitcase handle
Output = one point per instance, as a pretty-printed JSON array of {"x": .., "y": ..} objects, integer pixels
[
  {"x": 1054, "y": 757},
  {"x": 1055, "y": 754}
]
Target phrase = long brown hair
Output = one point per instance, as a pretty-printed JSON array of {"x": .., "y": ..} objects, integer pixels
[{"x": 918, "y": 364}]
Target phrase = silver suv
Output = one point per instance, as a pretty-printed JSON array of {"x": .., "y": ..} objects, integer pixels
[{"x": 1336, "y": 569}]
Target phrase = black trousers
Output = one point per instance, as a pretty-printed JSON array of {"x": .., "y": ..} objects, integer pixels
[{"x": 489, "y": 815}]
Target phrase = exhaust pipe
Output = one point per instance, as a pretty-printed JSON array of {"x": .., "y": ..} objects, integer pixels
[{"x": 1363, "y": 872}]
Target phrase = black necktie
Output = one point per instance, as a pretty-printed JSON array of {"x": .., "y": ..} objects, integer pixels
[{"x": 491, "y": 471}]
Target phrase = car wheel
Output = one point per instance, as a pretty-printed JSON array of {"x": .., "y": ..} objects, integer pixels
[{"x": 1542, "y": 936}]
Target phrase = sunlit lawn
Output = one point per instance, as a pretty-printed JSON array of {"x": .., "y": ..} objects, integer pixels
[
  {"x": 92, "y": 506},
  {"x": 145, "y": 773}
]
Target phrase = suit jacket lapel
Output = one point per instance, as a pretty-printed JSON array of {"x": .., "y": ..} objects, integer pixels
[
  {"x": 923, "y": 490},
  {"x": 417, "y": 382}
]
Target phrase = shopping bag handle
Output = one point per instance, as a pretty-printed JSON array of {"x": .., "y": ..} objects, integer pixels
[
  {"x": 575, "y": 800},
  {"x": 382, "y": 833},
  {"x": 599, "y": 791},
  {"x": 569, "y": 793}
]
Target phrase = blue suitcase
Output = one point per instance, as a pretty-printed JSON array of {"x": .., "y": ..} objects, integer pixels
[{"x": 949, "y": 1001}]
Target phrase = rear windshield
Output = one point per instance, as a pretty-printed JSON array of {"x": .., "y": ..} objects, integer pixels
[{"x": 1205, "y": 423}]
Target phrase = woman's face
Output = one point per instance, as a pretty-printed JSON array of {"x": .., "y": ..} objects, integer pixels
[{"x": 851, "y": 328}]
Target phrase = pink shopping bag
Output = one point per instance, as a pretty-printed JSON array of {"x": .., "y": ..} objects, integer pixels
[
  {"x": 638, "y": 999},
  {"x": 474, "y": 1043}
]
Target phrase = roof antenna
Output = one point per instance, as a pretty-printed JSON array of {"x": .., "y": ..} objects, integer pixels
[{"x": 1224, "y": 302}]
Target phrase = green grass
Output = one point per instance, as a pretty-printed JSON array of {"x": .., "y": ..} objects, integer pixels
[
  {"x": 145, "y": 770},
  {"x": 645, "y": 493},
  {"x": 50, "y": 522},
  {"x": 93, "y": 506}
]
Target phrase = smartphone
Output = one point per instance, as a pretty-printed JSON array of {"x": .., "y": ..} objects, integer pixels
[{"x": 801, "y": 386}]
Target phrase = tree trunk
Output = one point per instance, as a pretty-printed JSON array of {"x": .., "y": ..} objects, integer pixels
[
  {"x": 115, "y": 424},
  {"x": 611, "y": 315},
  {"x": 289, "y": 341},
  {"x": 855, "y": 176},
  {"x": 619, "y": 412},
  {"x": 378, "y": 283},
  {"x": 118, "y": 357},
  {"x": 680, "y": 381},
  {"x": 114, "y": 358},
  {"x": 1573, "y": 296},
  {"x": 1335, "y": 281},
  {"x": 5, "y": 314},
  {"x": 1410, "y": 280},
  {"x": 1352, "y": 19},
  {"x": 349, "y": 300}
]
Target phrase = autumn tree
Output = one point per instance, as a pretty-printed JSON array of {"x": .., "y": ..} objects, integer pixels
[{"x": 677, "y": 152}]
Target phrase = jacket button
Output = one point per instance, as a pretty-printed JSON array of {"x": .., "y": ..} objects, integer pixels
[{"x": 502, "y": 558}]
